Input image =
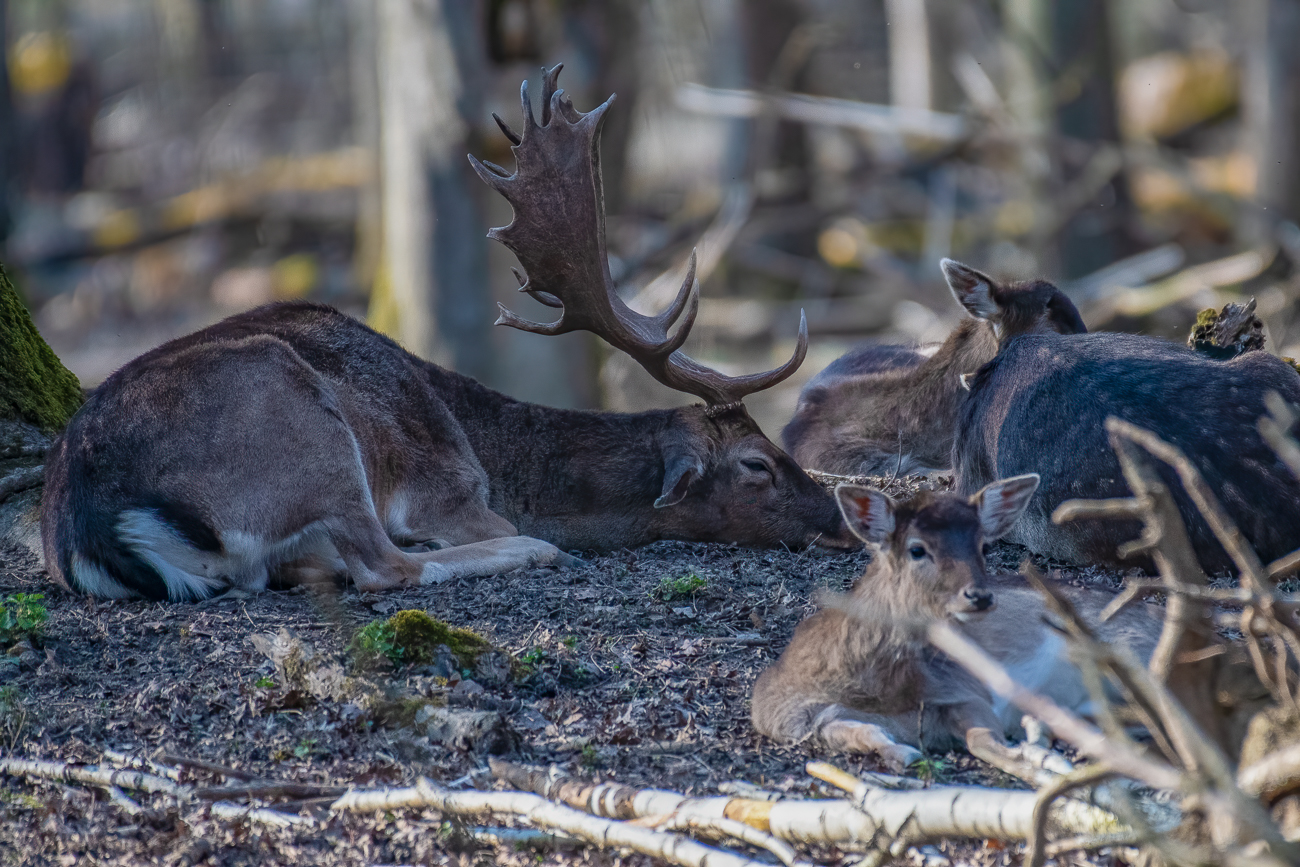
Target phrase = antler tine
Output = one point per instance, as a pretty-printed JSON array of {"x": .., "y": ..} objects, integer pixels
[
  {"x": 530, "y": 123},
  {"x": 505, "y": 128},
  {"x": 550, "y": 84},
  {"x": 740, "y": 386},
  {"x": 558, "y": 235},
  {"x": 689, "y": 288}
]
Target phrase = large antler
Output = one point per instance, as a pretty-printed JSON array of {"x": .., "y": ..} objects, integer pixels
[{"x": 558, "y": 234}]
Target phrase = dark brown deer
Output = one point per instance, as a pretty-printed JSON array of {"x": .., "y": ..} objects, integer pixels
[
  {"x": 886, "y": 409},
  {"x": 1040, "y": 406},
  {"x": 858, "y": 675},
  {"x": 293, "y": 443}
]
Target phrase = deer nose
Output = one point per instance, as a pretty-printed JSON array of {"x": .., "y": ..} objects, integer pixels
[{"x": 980, "y": 600}]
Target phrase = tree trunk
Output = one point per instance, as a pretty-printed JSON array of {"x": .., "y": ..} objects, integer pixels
[
  {"x": 37, "y": 397},
  {"x": 1097, "y": 235},
  {"x": 431, "y": 295},
  {"x": 1271, "y": 104}
]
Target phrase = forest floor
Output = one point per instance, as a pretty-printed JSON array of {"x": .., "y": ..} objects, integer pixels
[{"x": 636, "y": 667}]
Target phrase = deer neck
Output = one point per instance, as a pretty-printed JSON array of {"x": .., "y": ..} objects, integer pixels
[
  {"x": 886, "y": 656},
  {"x": 969, "y": 347},
  {"x": 577, "y": 478},
  {"x": 882, "y": 592}
]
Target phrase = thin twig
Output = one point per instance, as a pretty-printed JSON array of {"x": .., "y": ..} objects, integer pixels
[
  {"x": 228, "y": 773},
  {"x": 1036, "y": 850}
]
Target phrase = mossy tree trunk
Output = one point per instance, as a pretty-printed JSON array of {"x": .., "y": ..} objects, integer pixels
[{"x": 37, "y": 397}]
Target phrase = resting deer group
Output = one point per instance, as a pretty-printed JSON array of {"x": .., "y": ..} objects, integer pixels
[
  {"x": 858, "y": 676},
  {"x": 1022, "y": 387},
  {"x": 292, "y": 443}
]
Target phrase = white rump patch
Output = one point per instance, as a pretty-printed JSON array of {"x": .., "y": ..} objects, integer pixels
[
  {"x": 244, "y": 563},
  {"x": 90, "y": 578}
]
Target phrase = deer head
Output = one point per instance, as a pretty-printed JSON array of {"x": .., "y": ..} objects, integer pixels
[
  {"x": 722, "y": 478},
  {"x": 929, "y": 550},
  {"x": 1013, "y": 309}
]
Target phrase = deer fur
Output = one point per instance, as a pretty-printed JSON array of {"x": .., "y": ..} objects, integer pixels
[
  {"x": 858, "y": 675},
  {"x": 1040, "y": 406},
  {"x": 292, "y": 443},
  {"x": 891, "y": 410}
]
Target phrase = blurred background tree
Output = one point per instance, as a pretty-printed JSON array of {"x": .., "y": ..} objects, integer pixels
[{"x": 164, "y": 163}]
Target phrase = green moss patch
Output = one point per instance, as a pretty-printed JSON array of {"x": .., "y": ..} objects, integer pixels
[
  {"x": 34, "y": 384},
  {"x": 412, "y": 637}
]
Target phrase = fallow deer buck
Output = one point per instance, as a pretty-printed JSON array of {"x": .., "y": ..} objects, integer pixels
[
  {"x": 858, "y": 675},
  {"x": 1040, "y": 406},
  {"x": 292, "y": 442},
  {"x": 887, "y": 409}
]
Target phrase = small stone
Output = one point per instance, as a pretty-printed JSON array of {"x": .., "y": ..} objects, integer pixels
[
  {"x": 467, "y": 687},
  {"x": 423, "y": 714}
]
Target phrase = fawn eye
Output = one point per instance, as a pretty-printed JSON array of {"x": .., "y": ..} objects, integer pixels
[
  {"x": 917, "y": 552},
  {"x": 756, "y": 466}
]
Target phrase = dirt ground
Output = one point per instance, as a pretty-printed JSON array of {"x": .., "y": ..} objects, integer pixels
[{"x": 637, "y": 667}]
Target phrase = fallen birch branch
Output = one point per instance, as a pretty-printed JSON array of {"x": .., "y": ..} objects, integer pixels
[
  {"x": 115, "y": 780},
  {"x": 876, "y": 818},
  {"x": 261, "y": 815},
  {"x": 722, "y": 828},
  {"x": 95, "y": 776},
  {"x": 545, "y": 814}
]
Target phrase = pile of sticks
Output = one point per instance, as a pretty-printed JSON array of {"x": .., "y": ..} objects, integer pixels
[{"x": 882, "y": 816}]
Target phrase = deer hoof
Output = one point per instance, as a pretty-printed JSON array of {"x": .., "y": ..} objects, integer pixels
[
  {"x": 899, "y": 757},
  {"x": 435, "y": 573},
  {"x": 567, "y": 561}
]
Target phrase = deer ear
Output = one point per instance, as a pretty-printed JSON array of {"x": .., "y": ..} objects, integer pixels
[
  {"x": 972, "y": 289},
  {"x": 1001, "y": 503},
  {"x": 679, "y": 473},
  {"x": 868, "y": 512}
]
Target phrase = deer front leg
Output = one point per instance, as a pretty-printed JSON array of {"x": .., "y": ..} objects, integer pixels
[
  {"x": 1028, "y": 762},
  {"x": 490, "y": 557},
  {"x": 375, "y": 563},
  {"x": 844, "y": 730}
]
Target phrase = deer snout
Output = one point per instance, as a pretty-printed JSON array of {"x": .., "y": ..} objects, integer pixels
[{"x": 975, "y": 601}]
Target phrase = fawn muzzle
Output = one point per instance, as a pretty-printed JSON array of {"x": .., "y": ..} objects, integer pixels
[{"x": 973, "y": 601}]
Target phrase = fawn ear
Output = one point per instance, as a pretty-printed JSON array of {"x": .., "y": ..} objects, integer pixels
[
  {"x": 868, "y": 512},
  {"x": 972, "y": 289},
  {"x": 1001, "y": 503},
  {"x": 680, "y": 473}
]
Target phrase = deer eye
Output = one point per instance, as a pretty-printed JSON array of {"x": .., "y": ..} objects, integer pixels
[
  {"x": 917, "y": 552},
  {"x": 756, "y": 466}
]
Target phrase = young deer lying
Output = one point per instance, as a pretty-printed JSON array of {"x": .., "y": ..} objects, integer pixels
[
  {"x": 1040, "y": 406},
  {"x": 294, "y": 443},
  {"x": 885, "y": 409},
  {"x": 858, "y": 675}
]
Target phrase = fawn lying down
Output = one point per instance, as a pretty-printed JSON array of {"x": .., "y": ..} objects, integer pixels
[{"x": 858, "y": 675}]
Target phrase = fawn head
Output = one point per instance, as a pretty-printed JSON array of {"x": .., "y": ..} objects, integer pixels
[
  {"x": 929, "y": 550},
  {"x": 1012, "y": 308}
]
